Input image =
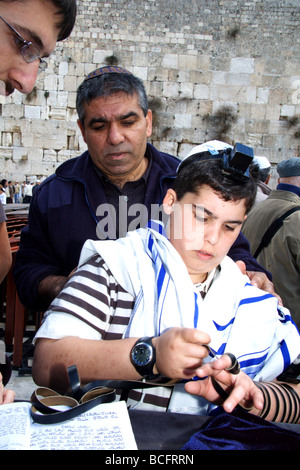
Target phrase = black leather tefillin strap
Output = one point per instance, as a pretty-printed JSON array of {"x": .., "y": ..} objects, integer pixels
[{"x": 45, "y": 401}]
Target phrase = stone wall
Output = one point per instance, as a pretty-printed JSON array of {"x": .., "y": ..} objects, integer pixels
[{"x": 212, "y": 69}]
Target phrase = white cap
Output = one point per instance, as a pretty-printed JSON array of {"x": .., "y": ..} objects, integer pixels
[
  {"x": 262, "y": 162},
  {"x": 213, "y": 146}
]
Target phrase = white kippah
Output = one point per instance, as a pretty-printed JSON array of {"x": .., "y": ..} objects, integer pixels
[
  {"x": 262, "y": 162},
  {"x": 213, "y": 146}
]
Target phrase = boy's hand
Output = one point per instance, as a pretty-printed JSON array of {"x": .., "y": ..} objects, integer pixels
[
  {"x": 179, "y": 352},
  {"x": 240, "y": 388}
]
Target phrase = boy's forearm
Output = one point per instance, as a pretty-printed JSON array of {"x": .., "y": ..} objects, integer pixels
[
  {"x": 95, "y": 360},
  {"x": 179, "y": 352},
  {"x": 281, "y": 402}
]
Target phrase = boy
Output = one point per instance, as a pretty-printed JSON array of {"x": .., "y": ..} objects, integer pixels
[{"x": 158, "y": 302}]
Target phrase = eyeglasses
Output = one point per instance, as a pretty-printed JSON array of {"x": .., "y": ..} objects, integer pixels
[{"x": 28, "y": 50}]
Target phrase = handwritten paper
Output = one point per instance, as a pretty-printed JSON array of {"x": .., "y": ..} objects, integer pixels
[{"x": 105, "y": 427}]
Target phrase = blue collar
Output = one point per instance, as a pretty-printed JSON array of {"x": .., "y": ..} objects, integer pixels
[{"x": 289, "y": 187}]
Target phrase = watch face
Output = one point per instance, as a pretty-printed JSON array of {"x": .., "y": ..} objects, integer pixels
[{"x": 142, "y": 354}]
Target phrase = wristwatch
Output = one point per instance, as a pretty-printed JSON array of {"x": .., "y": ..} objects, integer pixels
[{"x": 143, "y": 357}]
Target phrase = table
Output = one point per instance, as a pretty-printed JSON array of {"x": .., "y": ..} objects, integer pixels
[{"x": 163, "y": 431}]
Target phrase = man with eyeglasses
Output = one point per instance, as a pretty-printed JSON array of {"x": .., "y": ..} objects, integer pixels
[{"x": 29, "y": 31}]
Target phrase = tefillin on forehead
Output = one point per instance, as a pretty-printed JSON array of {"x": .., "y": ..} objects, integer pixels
[{"x": 236, "y": 160}]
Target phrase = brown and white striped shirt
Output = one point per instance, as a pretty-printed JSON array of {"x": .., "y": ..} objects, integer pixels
[{"x": 93, "y": 305}]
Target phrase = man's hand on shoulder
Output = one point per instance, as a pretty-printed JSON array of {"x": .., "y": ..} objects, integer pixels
[{"x": 259, "y": 279}]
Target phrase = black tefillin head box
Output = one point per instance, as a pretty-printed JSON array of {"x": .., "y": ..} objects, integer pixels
[{"x": 241, "y": 157}]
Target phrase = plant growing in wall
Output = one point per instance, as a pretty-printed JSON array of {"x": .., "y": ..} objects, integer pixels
[
  {"x": 220, "y": 123},
  {"x": 294, "y": 123},
  {"x": 111, "y": 60}
]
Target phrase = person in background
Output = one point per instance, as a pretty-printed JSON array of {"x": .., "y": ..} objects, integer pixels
[
  {"x": 281, "y": 252},
  {"x": 261, "y": 169},
  {"x": 3, "y": 196},
  {"x": 28, "y": 193},
  {"x": 17, "y": 192},
  {"x": 37, "y": 183},
  {"x": 11, "y": 192}
]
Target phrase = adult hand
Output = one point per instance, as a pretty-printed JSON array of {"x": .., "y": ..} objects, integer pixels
[
  {"x": 180, "y": 351},
  {"x": 260, "y": 280},
  {"x": 51, "y": 286},
  {"x": 240, "y": 388},
  {"x": 6, "y": 395}
]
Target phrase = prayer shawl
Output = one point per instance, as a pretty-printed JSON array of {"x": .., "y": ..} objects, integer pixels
[{"x": 239, "y": 317}]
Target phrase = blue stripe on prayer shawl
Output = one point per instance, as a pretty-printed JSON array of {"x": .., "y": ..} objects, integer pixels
[
  {"x": 285, "y": 354},
  {"x": 160, "y": 279},
  {"x": 162, "y": 283},
  {"x": 253, "y": 361},
  {"x": 150, "y": 243},
  {"x": 196, "y": 312},
  {"x": 138, "y": 298},
  {"x": 263, "y": 351},
  {"x": 251, "y": 300},
  {"x": 223, "y": 327},
  {"x": 220, "y": 351},
  {"x": 157, "y": 226},
  {"x": 283, "y": 318},
  {"x": 160, "y": 229},
  {"x": 162, "y": 306}
]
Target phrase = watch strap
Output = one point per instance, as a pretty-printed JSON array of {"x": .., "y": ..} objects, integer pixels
[{"x": 145, "y": 370}]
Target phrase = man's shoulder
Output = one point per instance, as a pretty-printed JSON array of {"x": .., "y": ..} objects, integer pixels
[
  {"x": 275, "y": 204},
  {"x": 263, "y": 206},
  {"x": 70, "y": 169},
  {"x": 74, "y": 167}
]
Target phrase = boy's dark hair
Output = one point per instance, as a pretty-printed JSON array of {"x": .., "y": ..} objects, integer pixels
[
  {"x": 108, "y": 84},
  {"x": 68, "y": 10},
  {"x": 211, "y": 173}
]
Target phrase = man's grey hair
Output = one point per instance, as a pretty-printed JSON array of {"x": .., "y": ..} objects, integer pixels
[{"x": 107, "y": 85}]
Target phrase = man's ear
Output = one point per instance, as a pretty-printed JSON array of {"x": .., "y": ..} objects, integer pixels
[
  {"x": 81, "y": 127},
  {"x": 149, "y": 123},
  {"x": 169, "y": 201}
]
